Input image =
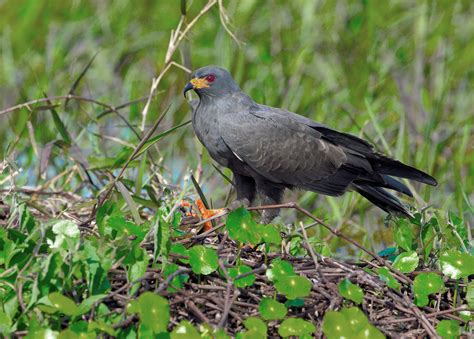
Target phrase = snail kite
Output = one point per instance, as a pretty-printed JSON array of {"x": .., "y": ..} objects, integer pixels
[{"x": 270, "y": 149}]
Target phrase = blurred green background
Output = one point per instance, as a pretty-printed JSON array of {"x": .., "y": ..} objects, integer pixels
[{"x": 398, "y": 73}]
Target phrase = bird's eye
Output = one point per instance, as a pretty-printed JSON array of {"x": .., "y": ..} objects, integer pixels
[{"x": 210, "y": 78}]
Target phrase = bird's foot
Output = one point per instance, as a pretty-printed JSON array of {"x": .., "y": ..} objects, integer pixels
[
  {"x": 207, "y": 213},
  {"x": 239, "y": 203},
  {"x": 203, "y": 211}
]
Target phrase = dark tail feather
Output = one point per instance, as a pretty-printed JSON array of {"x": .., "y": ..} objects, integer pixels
[
  {"x": 388, "y": 182},
  {"x": 396, "y": 185},
  {"x": 381, "y": 198},
  {"x": 389, "y": 166}
]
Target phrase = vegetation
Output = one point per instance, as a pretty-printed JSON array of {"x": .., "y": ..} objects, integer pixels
[{"x": 101, "y": 174}]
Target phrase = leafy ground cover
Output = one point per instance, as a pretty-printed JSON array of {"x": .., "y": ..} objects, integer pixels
[
  {"x": 95, "y": 239},
  {"x": 164, "y": 278}
]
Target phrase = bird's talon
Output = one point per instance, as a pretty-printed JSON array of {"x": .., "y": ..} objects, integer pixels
[{"x": 207, "y": 213}]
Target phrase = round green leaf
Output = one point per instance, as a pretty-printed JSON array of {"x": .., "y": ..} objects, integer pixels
[
  {"x": 293, "y": 286},
  {"x": 203, "y": 260},
  {"x": 295, "y": 327},
  {"x": 242, "y": 227},
  {"x": 448, "y": 329},
  {"x": 271, "y": 309},
  {"x": 185, "y": 330},
  {"x": 279, "y": 268},
  {"x": 406, "y": 262},
  {"x": 356, "y": 318},
  {"x": 245, "y": 281},
  {"x": 254, "y": 324},
  {"x": 351, "y": 291},
  {"x": 335, "y": 325},
  {"x": 349, "y": 323},
  {"x": 153, "y": 311},
  {"x": 387, "y": 277},
  {"x": 269, "y": 234},
  {"x": 426, "y": 284},
  {"x": 456, "y": 264}
]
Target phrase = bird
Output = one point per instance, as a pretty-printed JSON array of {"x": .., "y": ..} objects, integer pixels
[{"x": 271, "y": 149}]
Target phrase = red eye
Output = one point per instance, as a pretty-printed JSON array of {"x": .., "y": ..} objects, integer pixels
[{"x": 210, "y": 78}]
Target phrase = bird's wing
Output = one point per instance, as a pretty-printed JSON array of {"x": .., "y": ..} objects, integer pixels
[
  {"x": 287, "y": 151},
  {"x": 361, "y": 149}
]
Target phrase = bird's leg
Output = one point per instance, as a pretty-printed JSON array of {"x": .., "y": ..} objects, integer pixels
[
  {"x": 270, "y": 194},
  {"x": 245, "y": 187}
]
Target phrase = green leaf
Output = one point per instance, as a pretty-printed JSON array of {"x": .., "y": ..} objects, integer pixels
[
  {"x": 178, "y": 281},
  {"x": 458, "y": 225},
  {"x": 66, "y": 236},
  {"x": 428, "y": 237},
  {"x": 138, "y": 269},
  {"x": 5, "y": 323},
  {"x": 456, "y": 264},
  {"x": 180, "y": 250},
  {"x": 63, "y": 304},
  {"x": 127, "y": 228},
  {"x": 448, "y": 329},
  {"x": 271, "y": 309},
  {"x": 406, "y": 262},
  {"x": 203, "y": 260},
  {"x": 26, "y": 220},
  {"x": 357, "y": 319},
  {"x": 245, "y": 281},
  {"x": 351, "y": 291},
  {"x": 86, "y": 304},
  {"x": 269, "y": 234},
  {"x": 387, "y": 277},
  {"x": 255, "y": 324},
  {"x": 294, "y": 303},
  {"x": 350, "y": 323},
  {"x": 295, "y": 327},
  {"x": 279, "y": 268},
  {"x": 100, "y": 325},
  {"x": 424, "y": 285},
  {"x": 185, "y": 330},
  {"x": 335, "y": 325},
  {"x": 162, "y": 236},
  {"x": 242, "y": 227},
  {"x": 109, "y": 208},
  {"x": 153, "y": 310},
  {"x": 60, "y": 125},
  {"x": 293, "y": 286},
  {"x": 404, "y": 235}
]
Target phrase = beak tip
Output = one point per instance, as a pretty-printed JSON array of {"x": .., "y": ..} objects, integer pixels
[{"x": 187, "y": 88}]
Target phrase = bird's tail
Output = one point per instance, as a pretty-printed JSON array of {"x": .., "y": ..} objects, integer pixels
[
  {"x": 381, "y": 198},
  {"x": 396, "y": 168}
]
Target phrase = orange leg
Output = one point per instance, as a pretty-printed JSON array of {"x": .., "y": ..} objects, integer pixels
[{"x": 205, "y": 213}]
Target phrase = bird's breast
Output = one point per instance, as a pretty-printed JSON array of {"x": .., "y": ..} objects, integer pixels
[{"x": 206, "y": 127}]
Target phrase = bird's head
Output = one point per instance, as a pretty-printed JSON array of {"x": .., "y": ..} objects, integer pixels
[{"x": 211, "y": 81}]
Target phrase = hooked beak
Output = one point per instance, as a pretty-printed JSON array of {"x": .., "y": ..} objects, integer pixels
[
  {"x": 189, "y": 86},
  {"x": 195, "y": 83}
]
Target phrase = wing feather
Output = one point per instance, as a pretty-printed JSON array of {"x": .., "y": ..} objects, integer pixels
[{"x": 281, "y": 149}]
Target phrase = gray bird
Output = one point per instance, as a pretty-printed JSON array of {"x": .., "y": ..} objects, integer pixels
[{"x": 270, "y": 149}]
